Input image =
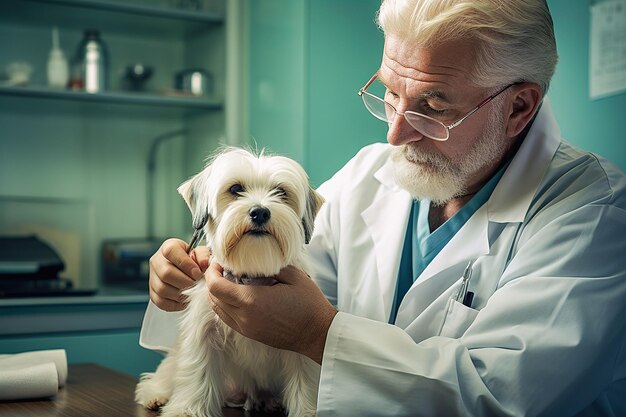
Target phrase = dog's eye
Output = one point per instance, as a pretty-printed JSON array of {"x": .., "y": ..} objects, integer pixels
[
  {"x": 236, "y": 189},
  {"x": 280, "y": 192}
]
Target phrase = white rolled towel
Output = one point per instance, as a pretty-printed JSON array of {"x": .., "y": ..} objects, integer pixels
[{"x": 36, "y": 374}]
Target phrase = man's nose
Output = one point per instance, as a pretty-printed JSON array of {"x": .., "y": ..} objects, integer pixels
[{"x": 400, "y": 132}]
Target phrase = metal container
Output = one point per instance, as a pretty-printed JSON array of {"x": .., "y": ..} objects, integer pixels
[
  {"x": 195, "y": 81},
  {"x": 92, "y": 62}
]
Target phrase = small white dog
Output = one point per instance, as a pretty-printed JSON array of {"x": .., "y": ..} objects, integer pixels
[{"x": 260, "y": 214}]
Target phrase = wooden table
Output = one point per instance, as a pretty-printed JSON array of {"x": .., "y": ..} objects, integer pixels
[{"x": 94, "y": 391}]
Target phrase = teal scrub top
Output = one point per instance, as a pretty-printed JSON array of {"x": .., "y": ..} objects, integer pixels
[{"x": 421, "y": 245}]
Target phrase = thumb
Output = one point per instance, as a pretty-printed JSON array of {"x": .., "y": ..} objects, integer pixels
[{"x": 290, "y": 275}]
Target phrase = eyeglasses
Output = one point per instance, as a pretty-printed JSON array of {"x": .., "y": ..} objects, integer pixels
[{"x": 425, "y": 125}]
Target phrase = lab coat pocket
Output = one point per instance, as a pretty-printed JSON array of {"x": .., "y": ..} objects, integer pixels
[{"x": 457, "y": 319}]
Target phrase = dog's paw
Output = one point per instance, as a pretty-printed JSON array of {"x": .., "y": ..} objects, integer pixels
[
  {"x": 152, "y": 403},
  {"x": 155, "y": 404},
  {"x": 150, "y": 395}
]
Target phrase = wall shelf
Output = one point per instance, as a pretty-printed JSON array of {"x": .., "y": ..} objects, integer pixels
[
  {"x": 119, "y": 97},
  {"x": 140, "y": 9},
  {"x": 124, "y": 18},
  {"x": 92, "y": 148}
]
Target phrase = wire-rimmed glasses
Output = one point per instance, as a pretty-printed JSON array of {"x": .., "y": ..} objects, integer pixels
[{"x": 426, "y": 125}]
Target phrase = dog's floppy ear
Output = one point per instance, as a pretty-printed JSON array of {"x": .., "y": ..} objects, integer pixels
[
  {"x": 186, "y": 192},
  {"x": 195, "y": 195},
  {"x": 314, "y": 202}
]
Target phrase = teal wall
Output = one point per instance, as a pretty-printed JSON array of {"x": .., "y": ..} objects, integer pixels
[
  {"x": 307, "y": 61},
  {"x": 277, "y": 75},
  {"x": 345, "y": 49},
  {"x": 312, "y": 57},
  {"x": 595, "y": 125}
]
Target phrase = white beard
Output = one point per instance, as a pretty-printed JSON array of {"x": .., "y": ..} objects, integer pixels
[{"x": 433, "y": 176}]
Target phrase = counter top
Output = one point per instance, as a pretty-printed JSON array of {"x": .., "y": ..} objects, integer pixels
[
  {"x": 103, "y": 295},
  {"x": 96, "y": 391},
  {"x": 110, "y": 308}
]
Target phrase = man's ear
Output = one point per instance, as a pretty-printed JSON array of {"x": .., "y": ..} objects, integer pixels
[
  {"x": 524, "y": 103},
  {"x": 314, "y": 203}
]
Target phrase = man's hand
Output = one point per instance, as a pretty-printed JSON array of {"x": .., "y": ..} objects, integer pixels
[
  {"x": 293, "y": 314},
  {"x": 172, "y": 270}
]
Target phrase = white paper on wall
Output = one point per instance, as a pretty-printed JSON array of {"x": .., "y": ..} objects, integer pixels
[{"x": 607, "y": 48}]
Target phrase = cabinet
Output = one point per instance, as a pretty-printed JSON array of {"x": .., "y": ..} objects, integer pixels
[{"x": 73, "y": 165}]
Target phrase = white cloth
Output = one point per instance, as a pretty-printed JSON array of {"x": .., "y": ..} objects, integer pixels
[
  {"x": 159, "y": 329},
  {"x": 37, "y": 374},
  {"x": 546, "y": 333}
]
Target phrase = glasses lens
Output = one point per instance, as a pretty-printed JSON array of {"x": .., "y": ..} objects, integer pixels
[
  {"x": 377, "y": 107},
  {"x": 431, "y": 128},
  {"x": 423, "y": 124}
]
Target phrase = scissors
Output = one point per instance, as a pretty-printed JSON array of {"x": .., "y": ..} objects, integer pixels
[{"x": 198, "y": 233}]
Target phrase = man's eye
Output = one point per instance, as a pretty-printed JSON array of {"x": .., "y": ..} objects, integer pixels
[
  {"x": 430, "y": 110},
  {"x": 236, "y": 189}
]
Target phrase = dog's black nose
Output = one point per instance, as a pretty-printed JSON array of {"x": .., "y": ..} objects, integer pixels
[{"x": 259, "y": 215}]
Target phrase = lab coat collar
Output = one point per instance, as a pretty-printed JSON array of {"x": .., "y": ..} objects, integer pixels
[
  {"x": 386, "y": 219},
  {"x": 526, "y": 170}
]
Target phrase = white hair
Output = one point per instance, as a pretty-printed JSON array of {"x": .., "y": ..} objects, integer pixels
[{"x": 515, "y": 38}]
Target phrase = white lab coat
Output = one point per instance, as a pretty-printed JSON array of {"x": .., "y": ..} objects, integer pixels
[{"x": 546, "y": 334}]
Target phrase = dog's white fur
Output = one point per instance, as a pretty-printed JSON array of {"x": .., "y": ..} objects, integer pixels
[{"x": 212, "y": 365}]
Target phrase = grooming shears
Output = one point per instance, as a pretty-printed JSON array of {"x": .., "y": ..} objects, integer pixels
[{"x": 198, "y": 233}]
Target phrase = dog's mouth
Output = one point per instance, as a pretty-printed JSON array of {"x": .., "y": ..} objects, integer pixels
[{"x": 258, "y": 232}]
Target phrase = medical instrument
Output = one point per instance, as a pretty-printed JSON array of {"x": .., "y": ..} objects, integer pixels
[
  {"x": 198, "y": 233},
  {"x": 463, "y": 295}
]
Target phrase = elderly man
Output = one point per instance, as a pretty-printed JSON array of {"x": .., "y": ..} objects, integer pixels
[{"x": 474, "y": 265}]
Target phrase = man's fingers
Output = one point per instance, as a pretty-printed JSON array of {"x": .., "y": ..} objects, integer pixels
[
  {"x": 166, "y": 291},
  {"x": 222, "y": 289},
  {"x": 165, "y": 304},
  {"x": 290, "y": 275},
  {"x": 223, "y": 312},
  {"x": 174, "y": 250},
  {"x": 202, "y": 255},
  {"x": 171, "y": 275},
  {"x": 217, "y": 268}
]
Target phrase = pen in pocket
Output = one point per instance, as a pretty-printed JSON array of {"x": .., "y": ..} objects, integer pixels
[{"x": 463, "y": 295}]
